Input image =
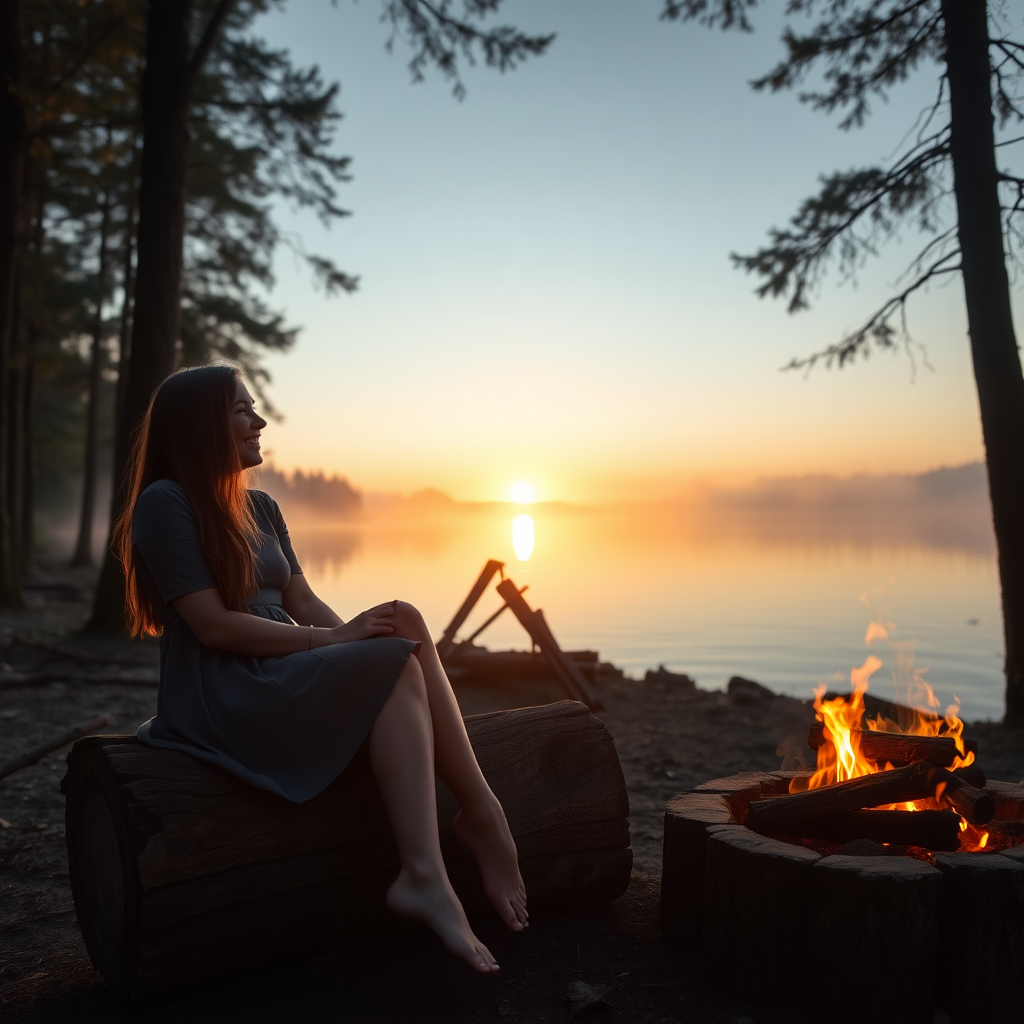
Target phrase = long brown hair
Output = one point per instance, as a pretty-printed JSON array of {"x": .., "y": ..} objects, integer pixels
[{"x": 186, "y": 437}]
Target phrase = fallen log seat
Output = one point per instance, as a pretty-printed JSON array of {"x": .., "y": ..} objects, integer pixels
[{"x": 181, "y": 872}]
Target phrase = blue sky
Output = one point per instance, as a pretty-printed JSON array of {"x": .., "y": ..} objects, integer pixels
[{"x": 545, "y": 287}]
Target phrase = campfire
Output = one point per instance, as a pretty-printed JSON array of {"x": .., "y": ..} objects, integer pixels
[
  {"x": 895, "y": 843},
  {"x": 897, "y": 776}
]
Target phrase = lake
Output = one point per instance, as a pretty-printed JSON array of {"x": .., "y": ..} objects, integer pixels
[{"x": 783, "y": 599}]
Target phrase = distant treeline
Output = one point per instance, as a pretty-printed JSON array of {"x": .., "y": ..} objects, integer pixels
[
  {"x": 965, "y": 484},
  {"x": 312, "y": 493}
]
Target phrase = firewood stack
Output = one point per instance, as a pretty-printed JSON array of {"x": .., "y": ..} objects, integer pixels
[{"x": 839, "y": 813}]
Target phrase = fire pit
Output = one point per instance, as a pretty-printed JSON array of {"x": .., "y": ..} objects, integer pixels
[{"x": 888, "y": 881}]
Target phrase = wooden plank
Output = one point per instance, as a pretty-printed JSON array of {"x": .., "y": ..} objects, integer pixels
[
  {"x": 475, "y": 593},
  {"x": 568, "y": 673}
]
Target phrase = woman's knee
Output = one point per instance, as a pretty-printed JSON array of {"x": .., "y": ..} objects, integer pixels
[{"x": 409, "y": 622}]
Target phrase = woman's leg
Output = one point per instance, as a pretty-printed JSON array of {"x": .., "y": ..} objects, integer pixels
[
  {"x": 480, "y": 825},
  {"x": 401, "y": 753}
]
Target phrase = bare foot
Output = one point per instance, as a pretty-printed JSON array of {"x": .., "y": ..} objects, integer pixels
[
  {"x": 432, "y": 901},
  {"x": 490, "y": 841}
]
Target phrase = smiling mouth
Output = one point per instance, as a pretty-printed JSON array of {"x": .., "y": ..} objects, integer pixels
[{"x": 252, "y": 442}]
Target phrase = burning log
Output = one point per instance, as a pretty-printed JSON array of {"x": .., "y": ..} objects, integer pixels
[
  {"x": 972, "y": 775},
  {"x": 899, "y": 748},
  {"x": 933, "y": 830},
  {"x": 975, "y": 805},
  {"x": 785, "y": 815},
  {"x": 181, "y": 872}
]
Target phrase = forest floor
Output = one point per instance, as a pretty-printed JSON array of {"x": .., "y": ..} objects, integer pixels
[{"x": 669, "y": 740}]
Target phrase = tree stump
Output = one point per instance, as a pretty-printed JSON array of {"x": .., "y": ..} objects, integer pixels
[
  {"x": 181, "y": 872},
  {"x": 882, "y": 913},
  {"x": 983, "y": 894},
  {"x": 756, "y": 908},
  {"x": 687, "y": 818}
]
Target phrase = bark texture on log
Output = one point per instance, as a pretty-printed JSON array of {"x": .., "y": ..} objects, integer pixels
[
  {"x": 181, "y": 872},
  {"x": 984, "y": 894},
  {"x": 883, "y": 913},
  {"x": 756, "y": 907},
  {"x": 1008, "y": 798},
  {"x": 899, "y": 748}
]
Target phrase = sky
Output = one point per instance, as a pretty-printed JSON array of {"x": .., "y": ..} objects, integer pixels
[{"x": 545, "y": 286}]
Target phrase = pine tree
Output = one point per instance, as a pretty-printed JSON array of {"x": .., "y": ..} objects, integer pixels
[{"x": 947, "y": 184}]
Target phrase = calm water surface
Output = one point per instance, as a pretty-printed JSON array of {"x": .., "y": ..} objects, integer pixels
[{"x": 713, "y": 599}]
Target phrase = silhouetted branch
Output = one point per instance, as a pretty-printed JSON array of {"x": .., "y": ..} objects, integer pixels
[
  {"x": 713, "y": 13},
  {"x": 439, "y": 38},
  {"x": 877, "y": 327},
  {"x": 205, "y": 45}
]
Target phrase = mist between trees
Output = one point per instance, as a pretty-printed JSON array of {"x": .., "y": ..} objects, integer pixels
[{"x": 142, "y": 143}]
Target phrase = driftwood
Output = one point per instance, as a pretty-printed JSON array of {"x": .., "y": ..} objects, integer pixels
[
  {"x": 477, "y": 591},
  {"x": 784, "y": 815},
  {"x": 898, "y": 748},
  {"x": 36, "y": 754},
  {"x": 181, "y": 872},
  {"x": 933, "y": 830},
  {"x": 566, "y": 671},
  {"x": 479, "y": 661}
]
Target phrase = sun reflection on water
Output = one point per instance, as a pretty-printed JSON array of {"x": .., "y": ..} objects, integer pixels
[{"x": 522, "y": 537}]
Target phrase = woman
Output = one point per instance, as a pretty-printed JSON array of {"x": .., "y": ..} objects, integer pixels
[{"x": 261, "y": 678}]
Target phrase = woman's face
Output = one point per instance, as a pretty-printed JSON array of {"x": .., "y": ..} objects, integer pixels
[{"x": 246, "y": 425}]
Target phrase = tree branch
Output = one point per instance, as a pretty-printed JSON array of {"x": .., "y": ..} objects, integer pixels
[
  {"x": 877, "y": 327},
  {"x": 202, "y": 51}
]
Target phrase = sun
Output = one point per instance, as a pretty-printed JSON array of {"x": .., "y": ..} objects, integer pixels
[{"x": 523, "y": 493}]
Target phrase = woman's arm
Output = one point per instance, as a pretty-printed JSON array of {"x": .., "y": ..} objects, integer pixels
[
  {"x": 305, "y": 607},
  {"x": 242, "y": 633}
]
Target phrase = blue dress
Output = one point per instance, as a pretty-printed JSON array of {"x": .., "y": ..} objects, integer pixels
[{"x": 287, "y": 724}]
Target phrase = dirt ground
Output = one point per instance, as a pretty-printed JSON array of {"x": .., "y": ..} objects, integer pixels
[{"x": 669, "y": 740}]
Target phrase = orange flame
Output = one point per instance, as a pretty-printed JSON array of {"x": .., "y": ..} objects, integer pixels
[{"x": 843, "y": 721}]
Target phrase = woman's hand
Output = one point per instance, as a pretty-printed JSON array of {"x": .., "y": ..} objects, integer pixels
[{"x": 378, "y": 621}]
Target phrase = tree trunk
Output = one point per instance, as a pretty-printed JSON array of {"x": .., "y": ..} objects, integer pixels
[
  {"x": 166, "y": 101},
  {"x": 12, "y": 138},
  {"x": 90, "y": 464},
  {"x": 14, "y": 414},
  {"x": 128, "y": 287},
  {"x": 997, "y": 368},
  {"x": 28, "y": 473}
]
